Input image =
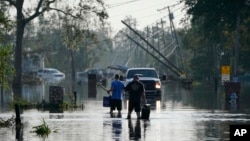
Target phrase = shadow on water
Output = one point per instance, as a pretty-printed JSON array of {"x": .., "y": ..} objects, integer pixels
[
  {"x": 138, "y": 129},
  {"x": 134, "y": 131},
  {"x": 19, "y": 133}
]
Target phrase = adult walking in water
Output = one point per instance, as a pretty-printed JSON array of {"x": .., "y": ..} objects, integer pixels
[
  {"x": 136, "y": 90},
  {"x": 116, "y": 97}
]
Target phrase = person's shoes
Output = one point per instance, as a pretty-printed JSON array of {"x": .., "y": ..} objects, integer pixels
[
  {"x": 111, "y": 115},
  {"x": 119, "y": 115},
  {"x": 129, "y": 117}
]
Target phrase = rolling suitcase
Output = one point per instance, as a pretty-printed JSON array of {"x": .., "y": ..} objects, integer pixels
[{"x": 145, "y": 111}]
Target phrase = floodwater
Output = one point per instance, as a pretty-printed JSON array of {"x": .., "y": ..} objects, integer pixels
[{"x": 198, "y": 114}]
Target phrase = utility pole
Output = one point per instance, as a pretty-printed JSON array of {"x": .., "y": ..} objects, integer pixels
[
  {"x": 155, "y": 57},
  {"x": 146, "y": 55},
  {"x": 163, "y": 33},
  {"x": 236, "y": 47},
  {"x": 172, "y": 28},
  {"x": 152, "y": 47},
  {"x": 163, "y": 38},
  {"x": 158, "y": 41}
]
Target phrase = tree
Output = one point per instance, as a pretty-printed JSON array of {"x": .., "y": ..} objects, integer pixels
[
  {"x": 24, "y": 16},
  {"x": 6, "y": 70},
  {"x": 72, "y": 36},
  {"x": 218, "y": 16}
]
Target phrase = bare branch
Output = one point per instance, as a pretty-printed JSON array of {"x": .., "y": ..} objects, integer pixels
[
  {"x": 12, "y": 2},
  {"x": 34, "y": 15},
  {"x": 39, "y": 6},
  {"x": 66, "y": 13}
]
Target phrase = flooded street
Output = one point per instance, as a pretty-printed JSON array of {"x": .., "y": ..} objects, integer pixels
[{"x": 198, "y": 114}]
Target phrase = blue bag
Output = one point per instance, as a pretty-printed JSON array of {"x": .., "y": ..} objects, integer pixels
[{"x": 106, "y": 101}]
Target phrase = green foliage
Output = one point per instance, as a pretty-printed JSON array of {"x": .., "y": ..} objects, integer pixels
[
  {"x": 6, "y": 69},
  {"x": 24, "y": 15},
  {"x": 72, "y": 34},
  {"x": 244, "y": 47},
  {"x": 194, "y": 43},
  {"x": 217, "y": 14},
  {"x": 42, "y": 130},
  {"x": 21, "y": 102},
  {"x": 199, "y": 67},
  {"x": 5, "y": 24},
  {"x": 213, "y": 24}
]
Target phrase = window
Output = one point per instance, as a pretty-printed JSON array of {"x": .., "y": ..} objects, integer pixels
[{"x": 142, "y": 73}]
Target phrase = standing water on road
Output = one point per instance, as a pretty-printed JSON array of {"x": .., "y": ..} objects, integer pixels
[{"x": 181, "y": 115}]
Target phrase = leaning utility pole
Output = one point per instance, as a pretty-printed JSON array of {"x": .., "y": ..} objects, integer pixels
[
  {"x": 172, "y": 28},
  {"x": 155, "y": 57},
  {"x": 154, "y": 49}
]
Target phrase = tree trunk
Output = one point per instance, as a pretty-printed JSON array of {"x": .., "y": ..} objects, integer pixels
[
  {"x": 17, "y": 82},
  {"x": 73, "y": 71}
]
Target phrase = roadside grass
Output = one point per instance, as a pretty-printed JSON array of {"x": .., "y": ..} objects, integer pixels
[{"x": 42, "y": 130}]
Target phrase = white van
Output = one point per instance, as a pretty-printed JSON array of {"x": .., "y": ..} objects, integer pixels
[{"x": 50, "y": 74}]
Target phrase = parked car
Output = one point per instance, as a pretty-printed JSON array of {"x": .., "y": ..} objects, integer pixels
[
  {"x": 50, "y": 75},
  {"x": 82, "y": 77}
]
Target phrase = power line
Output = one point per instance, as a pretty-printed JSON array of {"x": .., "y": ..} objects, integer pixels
[
  {"x": 166, "y": 7},
  {"x": 139, "y": 10},
  {"x": 121, "y": 4},
  {"x": 178, "y": 8}
]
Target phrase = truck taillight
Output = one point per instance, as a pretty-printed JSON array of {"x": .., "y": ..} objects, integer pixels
[{"x": 157, "y": 85}]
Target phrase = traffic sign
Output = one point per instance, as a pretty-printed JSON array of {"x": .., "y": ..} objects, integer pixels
[{"x": 225, "y": 69}]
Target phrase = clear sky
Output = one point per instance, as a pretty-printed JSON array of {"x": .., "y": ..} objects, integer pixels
[{"x": 146, "y": 12}]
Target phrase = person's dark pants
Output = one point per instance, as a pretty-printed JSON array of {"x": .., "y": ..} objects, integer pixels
[
  {"x": 116, "y": 104},
  {"x": 136, "y": 105}
]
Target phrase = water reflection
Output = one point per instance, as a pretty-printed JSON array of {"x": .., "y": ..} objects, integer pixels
[
  {"x": 200, "y": 97},
  {"x": 56, "y": 114},
  {"x": 158, "y": 106},
  {"x": 116, "y": 129},
  {"x": 211, "y": 130},
  {"x": 19, "y": 133},
  {"x": 5, "y": 97},
  {"x": 200, "y": 109},
  {"x": 233, "y": 107},
  {"x": 134, "y": 132}
]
